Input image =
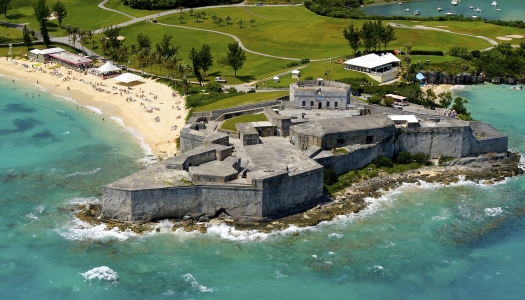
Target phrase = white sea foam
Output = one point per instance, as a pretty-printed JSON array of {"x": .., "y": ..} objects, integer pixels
[
  {"x": 79, "y": 200},
  {"x": 445, "y": 214},
  {"x": 278, "y": 274},
  {"x": 196, "y": 285},
  {"x": 376, "y": 268},
  {"x": 84, "y": 173},
  {"x": 67, "y": 132},
  {"x": 336, "y": 235},
  {"x": 40, "y": 87},
  {"x": 96, "y": 110},
  {"x": 331, "y": 253},
  {"x": 40, "y": 208},
  {"x": 229, "y": 233},
  {"x": 493, "y": 212},
  {"x": 66, "y": 98},
  {"x": 31, "y": 217},
  {"x": 77, "y": 230},
  {"x": 136, "y": 133},
  {"x": 100, "y": 273},
  {"x": 457, "y": 87}
]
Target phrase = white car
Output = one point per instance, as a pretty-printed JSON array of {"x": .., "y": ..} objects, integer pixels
[{"x": 221, "y": 80}]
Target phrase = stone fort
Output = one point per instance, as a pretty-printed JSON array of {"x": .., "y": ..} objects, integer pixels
[{"x": 267, "y": 170}]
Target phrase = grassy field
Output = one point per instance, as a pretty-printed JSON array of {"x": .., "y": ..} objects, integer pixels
[
  {"x": 295, "y": 32},
  {"x": 117, "y": 5},
  {"x": 10, "y": 35},
  {"x": 255, "y": 67},
  {"x": 243, "y": 100},
  {"x": 475, "y": 28},
  {"x": 230, "y": 123},
  {"x": 84, "y": 14}
]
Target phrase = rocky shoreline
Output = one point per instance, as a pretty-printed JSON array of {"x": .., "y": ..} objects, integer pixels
[{"x": 484, "y": 169}]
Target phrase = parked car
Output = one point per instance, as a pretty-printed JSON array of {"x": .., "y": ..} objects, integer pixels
[
  {"x": 251, "y": 90},
  {"x": 259, "y": 4},
  {"x": 221, "y": 80},
  {"x": 356, "y": 93}
]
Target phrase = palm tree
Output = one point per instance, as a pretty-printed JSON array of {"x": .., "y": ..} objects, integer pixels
[
  {"x": 181, "y": 18},
  {"x": 104, "y": 44},
  {"x": 74, "y": 35},
  {"x": 240, "y": 23},
  {"x": 228, "y": 19},
  {"x": 89, "y": 36},
  {"x": 203, "y": 15},
  {"x": 197, "y": 16},
  {"x": 82, "y": 37},
  {"x": 191, "y": 12},
  {"x": 123, "y": 53},
  {"x": 214, "y": 18},
  {"x": 171, "y": 64},
  {"x": 133, "y": 50},
  {"x": 68, "y": 30},
  {"x": 251, "y": 22},
  {"x": 219, "y": 20}
]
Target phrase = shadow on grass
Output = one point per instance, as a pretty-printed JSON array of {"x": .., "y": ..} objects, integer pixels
[
  {"x": 246, "y": 78},
  {"x": 15, "y": 16}
]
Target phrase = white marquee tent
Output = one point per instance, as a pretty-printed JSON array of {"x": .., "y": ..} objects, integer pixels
[
  {"x": 128, "y": 77},
  {"x": 108, "y": 67}
]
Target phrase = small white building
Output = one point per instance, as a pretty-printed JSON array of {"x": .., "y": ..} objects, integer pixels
[
  {"x": 296, "y": 73},
  {"x": 275, "y": 79},
  {"x": 43, "y": 55},
  {"x": 382, "y": 68}
]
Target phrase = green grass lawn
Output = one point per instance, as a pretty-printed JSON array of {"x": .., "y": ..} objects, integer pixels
[
  {"x": 10, "y": 35},
  {"x": 243, "y": 100},
  {"x": 118, "y": 5},
  {"x": 84, "y": 14},
  {"x": 230, "y": 123},
  {"x": 295, "y": 32},
  {"x": 475, "y": 28}
]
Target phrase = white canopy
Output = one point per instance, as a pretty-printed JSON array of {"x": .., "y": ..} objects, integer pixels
[
  {"x": 108, "y": 67},
  {"x": 275, "y": 78},
  {"x": 372, "y": 60},
  {"x": 128, "y": 77},
  {"x": 296, "y": 72}
]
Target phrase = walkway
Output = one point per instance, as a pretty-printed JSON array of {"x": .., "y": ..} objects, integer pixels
[{"x": 422, "y": 27}]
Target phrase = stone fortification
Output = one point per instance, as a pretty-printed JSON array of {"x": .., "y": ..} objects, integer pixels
[
  {"x": 260, "y": 177},
  {"x": 317, "y": 94}
]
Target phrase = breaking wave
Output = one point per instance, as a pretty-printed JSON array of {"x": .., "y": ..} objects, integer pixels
[
  {"x": 100, "y": 273},
  {"x": 196, "y": 285}
]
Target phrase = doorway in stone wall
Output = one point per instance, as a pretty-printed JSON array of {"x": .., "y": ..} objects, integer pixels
[{"x": 320, "y": 105}]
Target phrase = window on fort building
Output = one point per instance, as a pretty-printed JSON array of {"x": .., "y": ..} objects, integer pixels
[
  {"x": 304, "y": 103},
  {"x": 336, "y": 104},
  {"x": 369, "y": 139},
  {"x": 312, "y": 103},
  {"x": 340, "y": 142},
  {"x": 327, "y": 104}
]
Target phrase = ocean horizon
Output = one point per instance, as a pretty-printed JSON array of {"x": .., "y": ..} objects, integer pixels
[{"x": 428, "y": 241}]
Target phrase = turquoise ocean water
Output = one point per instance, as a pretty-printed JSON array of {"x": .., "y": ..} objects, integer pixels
[
  {"x": 509, "y": 9},
  {"x": 419, "y": 242}
]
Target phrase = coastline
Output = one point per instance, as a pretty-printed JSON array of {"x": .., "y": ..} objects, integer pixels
[
  {"x": 487, "y": 169},
  {"x": 158, "y": 138}
]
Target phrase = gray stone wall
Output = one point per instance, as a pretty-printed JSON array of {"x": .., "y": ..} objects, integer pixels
[
  {"x": 190, "y": 139},
  {"x": 285, "y": 195},
  {"x": 165, "y": 203},
  {"x": 434, "y": 141},
  {"x": 116, "y": 204}
]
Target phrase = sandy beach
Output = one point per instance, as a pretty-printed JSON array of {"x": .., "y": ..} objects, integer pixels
[{"x": 148, "y": 107}]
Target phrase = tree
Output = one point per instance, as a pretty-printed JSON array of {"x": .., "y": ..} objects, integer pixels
[
  {"x": 82, "y": 37},
  {"x": 368, "y": 35},
  {"x": 205, "y": 58},
  {"x": 240, "y": 23},
  {"x": 194, "y": 57},
  {"x": 144, "y": 41},
  {"x": 353, "y": 37},
  {"x": 387, "y": 35},
  {"x": 191, "y": 12},
  {"x": 219, "y": 20},
  {"x": 429, "y": 98},
  {"x": 60, "y": 11},
  {"x": 27, "y": 37},
  {"x": 228, "y": 19},
  {"x": 461, "y": 110},
  {"x": 181, "y": 19},
  {"x": 408, "y": 59},
  {"x": 234, "y": 58},
  {"x": 166, "y": 48},
  {"x": 112, "y": 33},
  {"x": 197, "y": 16},
  {"x": 74, "y": 35},
  {"x": 445, "y": 99},
  {"x": 89, "y": 35},
  {"x": 251, "y": 22},
  {"x": 4, "y": 7},
  {"x": 42, "y": 12},
  {"x": 461, "y": 52}
]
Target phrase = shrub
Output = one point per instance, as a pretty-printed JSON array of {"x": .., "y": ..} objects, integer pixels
[
  {"x": 309, "y": 78},
  {"x": 383, "y": 161},
  {"x": 404, "y": 158},
  {"x": 292, "y": 64},
  {"x": 420, "y": 157},
  {"x": 213, "y": 87},
  {"x": 388, "y": 101},
  {"x": 329, "y": 176},
  {"x": 305, "y": 60}
]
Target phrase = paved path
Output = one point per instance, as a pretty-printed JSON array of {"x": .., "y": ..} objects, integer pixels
[{"x": 493, "y": 42}]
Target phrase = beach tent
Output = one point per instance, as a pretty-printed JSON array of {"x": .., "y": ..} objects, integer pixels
[
  {"x": 420, "y": 76},
  {"x": 108, "y": 67},
  {"x": 128, "y": 77}
]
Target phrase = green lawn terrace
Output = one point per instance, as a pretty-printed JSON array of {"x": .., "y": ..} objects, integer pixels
[
  {"x": 84, "y": 14},
  {"x": 241, "y": 100},
  {"x": 230, "y": 123}
]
